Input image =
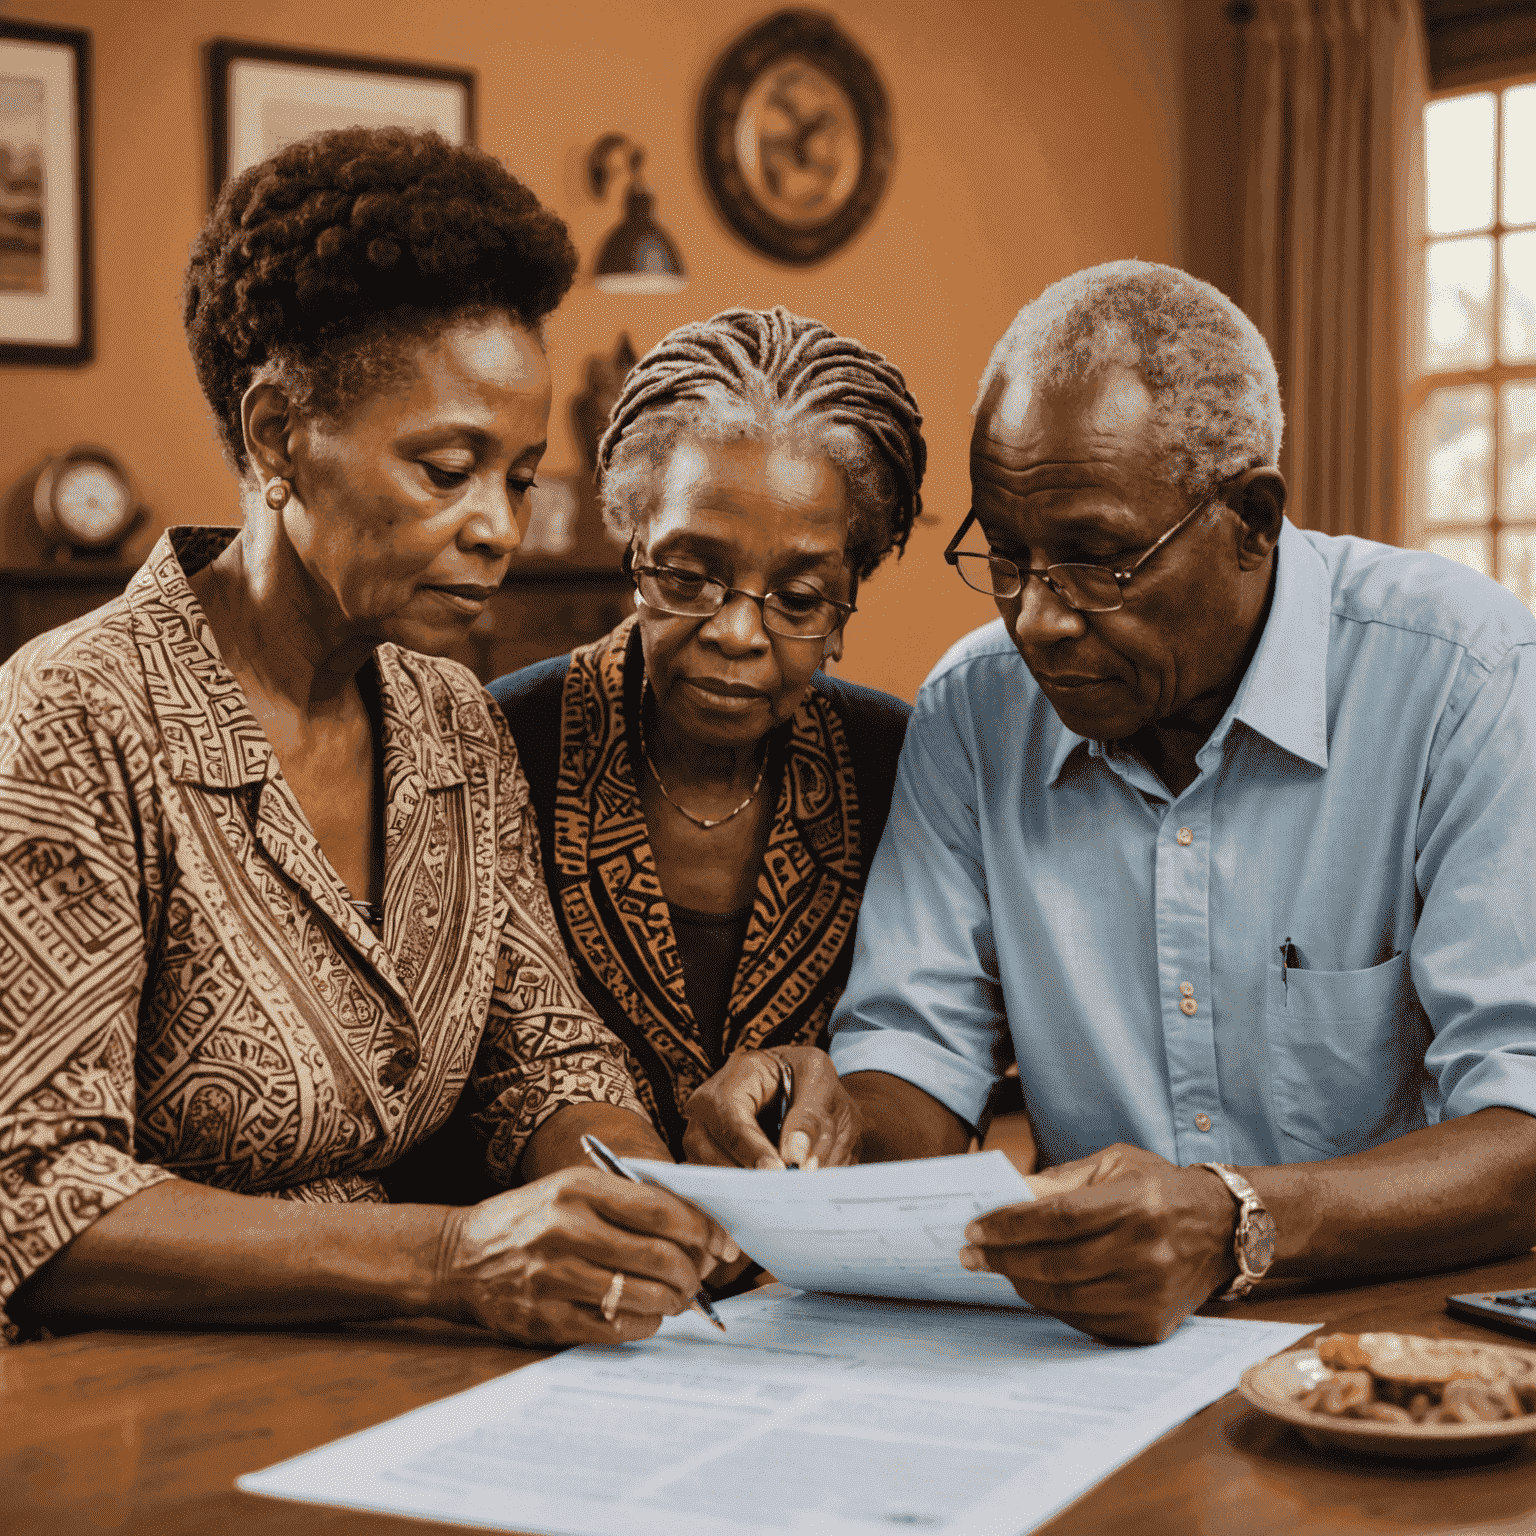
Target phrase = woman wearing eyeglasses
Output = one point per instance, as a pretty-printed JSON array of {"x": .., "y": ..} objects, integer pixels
[{"x": 709, "y": 800}]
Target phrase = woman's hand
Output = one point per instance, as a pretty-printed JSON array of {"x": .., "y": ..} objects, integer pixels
[
  {"x": 535, "y": 1263},
  {"x": 822, "y": 1128}
]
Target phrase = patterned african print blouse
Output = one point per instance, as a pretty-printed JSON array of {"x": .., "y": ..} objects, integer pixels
[
  {"x": 831, "y": 768},
  {"x": 186, "y": 989}
]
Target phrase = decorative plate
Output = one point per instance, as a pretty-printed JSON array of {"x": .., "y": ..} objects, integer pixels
[
  {"x": 794, "y": 137},
  {"x": 1273, "y": 1385}
]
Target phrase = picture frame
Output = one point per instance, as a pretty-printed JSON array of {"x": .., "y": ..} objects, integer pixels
[
  {"x": 262, "y": 97},
  {"x": 794, "y": 137},
  {"x": 45, "y": 195}
]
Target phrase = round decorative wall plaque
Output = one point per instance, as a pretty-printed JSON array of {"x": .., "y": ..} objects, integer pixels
[{"x": 795, "y": 137}]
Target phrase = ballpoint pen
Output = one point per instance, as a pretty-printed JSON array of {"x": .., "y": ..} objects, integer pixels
[
  {"x": 786, "y": 1098},
  {"x": 605, "y": 1159}
]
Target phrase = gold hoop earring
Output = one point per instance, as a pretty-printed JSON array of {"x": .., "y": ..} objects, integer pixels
[{"x": 277, "y": 493}]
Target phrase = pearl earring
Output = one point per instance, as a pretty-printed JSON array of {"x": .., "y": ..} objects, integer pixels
[{"x": 277, "y": 493}]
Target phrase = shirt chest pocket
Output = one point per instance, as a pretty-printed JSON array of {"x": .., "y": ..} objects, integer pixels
[{"x": 1346, "y": 1053}]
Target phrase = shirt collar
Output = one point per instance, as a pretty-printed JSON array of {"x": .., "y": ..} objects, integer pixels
[
  {"x": 1284, "y": 694},
  {"x": 1067, "y": 742},
  {"x": 210, "y": 735}
]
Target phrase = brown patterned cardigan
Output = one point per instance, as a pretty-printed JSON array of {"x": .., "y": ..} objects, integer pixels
[{"x": 186, "y": 989}]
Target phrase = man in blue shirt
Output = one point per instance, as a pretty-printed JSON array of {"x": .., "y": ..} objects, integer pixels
[{"x": 1224, "y": 830}]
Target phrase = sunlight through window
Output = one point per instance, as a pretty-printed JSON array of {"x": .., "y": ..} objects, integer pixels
[{"x": 1473, "y": 438}]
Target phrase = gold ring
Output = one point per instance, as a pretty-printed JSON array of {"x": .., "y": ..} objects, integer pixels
[{"x": 610, "y": 1302}]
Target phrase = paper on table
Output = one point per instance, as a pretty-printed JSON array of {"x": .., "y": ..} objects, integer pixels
[
  {"x": 814, "y": 1416},
  {"x": 883, "y": 1229}
]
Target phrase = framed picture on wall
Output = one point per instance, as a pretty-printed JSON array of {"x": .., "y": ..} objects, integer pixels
[
  {"x": 262, "y": 98},
  {"x": 45, "y": 223}
]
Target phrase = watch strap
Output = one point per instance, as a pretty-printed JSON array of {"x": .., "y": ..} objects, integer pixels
[{"x": 1248, "y": 1201}]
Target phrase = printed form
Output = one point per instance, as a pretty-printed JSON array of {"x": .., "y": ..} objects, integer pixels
[
  {"x": 883, "y": 1229},
  {"x": 815, "y": 1414},
  {"x": 812, "y": 1416}
]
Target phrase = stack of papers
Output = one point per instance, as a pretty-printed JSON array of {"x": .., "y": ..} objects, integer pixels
[
  {"x": 813, "y": 1414},
  {"x": 832, "y": 1414}
]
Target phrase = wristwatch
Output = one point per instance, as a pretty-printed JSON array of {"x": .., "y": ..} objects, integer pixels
[{"x": 1254, "y": 1245}]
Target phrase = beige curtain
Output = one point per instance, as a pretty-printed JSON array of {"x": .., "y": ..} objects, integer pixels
[{"x": 1332, "y": 106}]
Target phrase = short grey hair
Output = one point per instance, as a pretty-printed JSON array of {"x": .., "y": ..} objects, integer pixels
[{"x": 1215, "y": 390}]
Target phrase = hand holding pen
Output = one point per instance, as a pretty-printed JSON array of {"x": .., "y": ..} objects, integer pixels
[
  {"x": 782, "y": 1107},
  {"x": 610, "y": 1302}
]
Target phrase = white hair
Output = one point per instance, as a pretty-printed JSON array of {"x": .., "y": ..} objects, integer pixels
[{"x": 1215, "y": 391}]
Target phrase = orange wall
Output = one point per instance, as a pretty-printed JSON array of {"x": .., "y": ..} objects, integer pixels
[{"x": 1033, "y": 137}]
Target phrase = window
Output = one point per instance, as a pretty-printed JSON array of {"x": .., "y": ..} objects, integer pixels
[{"x": 1473, "y": 442}]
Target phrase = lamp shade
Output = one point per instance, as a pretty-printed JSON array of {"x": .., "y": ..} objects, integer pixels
[{"x": 639, "y": 256}]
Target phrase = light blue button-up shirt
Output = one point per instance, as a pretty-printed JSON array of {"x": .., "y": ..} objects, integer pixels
[{"x": 1369, "y": 798}]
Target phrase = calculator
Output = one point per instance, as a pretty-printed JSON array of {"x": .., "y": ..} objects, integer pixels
[{"x": 1513, "y": 1311}]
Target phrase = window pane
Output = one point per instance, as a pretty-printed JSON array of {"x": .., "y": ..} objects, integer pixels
[
  {"x": 1469, "y": 548},
  {"x": 1458, "y": 157},
  {"x": 1517, "y": 328},
  {"x": 1456, "y": 429},
  {"x": 1517, "y": 453},
  {"x": 1459, "y": 330},
  {"x": 1517, "y": 563},
  {"x": 1520, "y": 155}
]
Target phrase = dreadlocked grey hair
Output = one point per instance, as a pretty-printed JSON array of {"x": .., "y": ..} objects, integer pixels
[
  {"x": 770, "y": 375},
  {"x": 1212, "y": 378}
]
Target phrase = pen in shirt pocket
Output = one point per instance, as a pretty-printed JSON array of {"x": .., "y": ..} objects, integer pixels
[{"x": 1290, "y": 960}]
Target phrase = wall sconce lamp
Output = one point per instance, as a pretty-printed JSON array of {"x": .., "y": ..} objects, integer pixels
[{"x": 639, "y": 256}]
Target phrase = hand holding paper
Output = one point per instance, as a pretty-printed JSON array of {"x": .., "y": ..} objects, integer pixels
[{"x": 1122, "y": 1244}]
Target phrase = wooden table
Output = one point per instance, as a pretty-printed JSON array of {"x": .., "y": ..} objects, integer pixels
[{"x": 145, "y": 1433}]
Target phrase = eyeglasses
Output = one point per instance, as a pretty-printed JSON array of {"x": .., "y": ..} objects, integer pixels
[
  {"x": 1086, "y": 588},
  {"x": 793, "y": 614}
]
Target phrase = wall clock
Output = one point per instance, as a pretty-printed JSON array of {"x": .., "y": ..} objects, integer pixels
[
  {"x": 83, "y": 499},
  {"x": 794, "y": 137}
]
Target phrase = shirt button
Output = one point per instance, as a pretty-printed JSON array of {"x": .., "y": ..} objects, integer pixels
[
  {"x": 1185, "y": 837},
  {"x": 1202, "y": 1121},
  {"x": 1186, "y": 989},
  {"x": 1189, "y": 1005}
]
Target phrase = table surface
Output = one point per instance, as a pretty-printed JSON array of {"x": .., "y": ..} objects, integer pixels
[{"x": 145, "y": 1433}]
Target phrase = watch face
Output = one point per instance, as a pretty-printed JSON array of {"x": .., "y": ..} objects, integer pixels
[
  {"x": 1258, "y": 1241},
  {"x": 91, "y": 502},
  {"x": 798, "y": 143}
]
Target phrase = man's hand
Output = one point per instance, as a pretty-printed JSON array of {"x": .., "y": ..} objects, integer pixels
[
  {"x": 1123, "y": 1244},
  {"x": 820, "y": 1131}
]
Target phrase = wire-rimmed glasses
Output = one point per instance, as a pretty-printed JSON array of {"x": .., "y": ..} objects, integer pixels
[
  {"x": 787, "y": 611},
  {"x": 1086, "y": 588}
]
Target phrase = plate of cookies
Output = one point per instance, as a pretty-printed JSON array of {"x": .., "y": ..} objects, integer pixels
[{"x": 1399, "y": 1394}]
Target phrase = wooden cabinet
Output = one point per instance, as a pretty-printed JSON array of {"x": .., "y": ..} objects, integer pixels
[
  {"x": 38, "y": 598},
  {"x": 533, "y": 616}
]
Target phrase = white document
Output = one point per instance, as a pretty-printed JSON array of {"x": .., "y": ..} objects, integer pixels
[
  {"x": 813, "y": 1416},
  {"x": 881, "y": 1229}
]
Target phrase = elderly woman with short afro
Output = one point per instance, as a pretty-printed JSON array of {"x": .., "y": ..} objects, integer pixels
[
  {"x": 708, "y": 795},
  {"x": 272, "y": 885}
]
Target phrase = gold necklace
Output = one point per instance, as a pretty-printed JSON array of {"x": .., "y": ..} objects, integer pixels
[{"x": 698, "y": 821}]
